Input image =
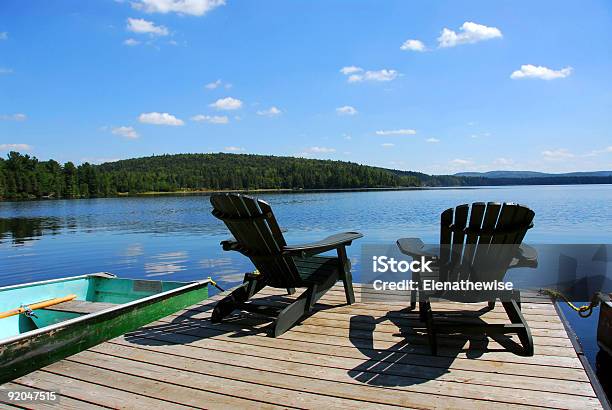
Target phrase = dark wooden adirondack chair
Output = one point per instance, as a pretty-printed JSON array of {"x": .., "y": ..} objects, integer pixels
[
  {"x": 257, "y": 235},
  {"x": 477, "y": 244}
]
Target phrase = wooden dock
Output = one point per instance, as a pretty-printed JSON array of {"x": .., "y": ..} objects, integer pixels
[{"x": 367, "y": 355}]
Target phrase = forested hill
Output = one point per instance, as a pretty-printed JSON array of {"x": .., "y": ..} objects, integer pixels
[
  {"x": 22, "y": 176},
  {"x": 25, "y": 177},
  {"x": 245, "y": 171}
]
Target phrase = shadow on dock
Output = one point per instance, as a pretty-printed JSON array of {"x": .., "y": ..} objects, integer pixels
[
  {"x": 385, "y": 365},
  {"x": 196, "y": 323}
]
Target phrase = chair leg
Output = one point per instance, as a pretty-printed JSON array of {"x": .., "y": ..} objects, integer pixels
[
  {"x": 513, "y": 310},
  {"x": 345, "y": 274},
  {"x": 238, "y": 296},
  {"x": 413, "y": 296},
  {"x": 413, "y": 292},
  {"x": 422, "y": 311},
  {"x": 293, "y": 313},
  {"x": 348, "y": 288},
  {"x": 431, "y": 330}
]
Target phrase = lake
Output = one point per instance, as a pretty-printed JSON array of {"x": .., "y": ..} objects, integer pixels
[{"x": 176, "y": 237}]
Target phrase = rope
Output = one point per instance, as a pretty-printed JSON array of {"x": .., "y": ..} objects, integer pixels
[
  {"x": 583, "y": 311},
  {"x": 212, "y": 282}
]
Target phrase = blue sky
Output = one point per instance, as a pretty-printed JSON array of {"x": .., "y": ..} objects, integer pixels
[{"x": 483, "y": 85}]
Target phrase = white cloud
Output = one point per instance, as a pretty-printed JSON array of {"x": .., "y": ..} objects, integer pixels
[
  {"x": 469, "y": 33},
  {"x": 402, "y": 131},
  {"x": 127, "y": 132},
  {"x": 315, "y": 151},
  {"x": 347, "y": 137},
  {"x": 320, "y": 150},
  {"x": 541, "y": 72},
  {"x": 15, "y": 147},
  {"x": 213, "y": 85},
  {"x": 270, "y": 112},
  {"x": 143, "y": 26},
  {"x": 4, "y": 70},
  {"x": 350, "y": 70},
  {"x": 432, "y": 140},
  {"x": 557, "y": 154},
  {"x": 211, "y": 119},
  {"x": 461, "y": 162},
  {"x": 160, "y": 119},
  {"x": 387, "y": 145},
  {"x": 413, "y": 45},
  {"x": 506, "y": 162},
  {"x": 227, "y": 103},
  {"x": 233, "y": 149},
  {"x": 346, "y": 110},
  {"x": 131, "y": 42},
  {"x": 379, "y": 75},
  {"x": 191, "y": 7},
  {"x": 13, "y": 117},
  {"x": 605, "y": 150},
  {"x": 3, "y": 35},
  {"x": 217, "y": 84}
]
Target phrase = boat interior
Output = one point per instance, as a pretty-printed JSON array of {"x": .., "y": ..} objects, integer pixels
[{"x": 87, "y": 294}]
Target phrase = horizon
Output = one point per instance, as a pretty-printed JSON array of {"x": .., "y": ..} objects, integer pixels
[{"x": 439, "y": 88}]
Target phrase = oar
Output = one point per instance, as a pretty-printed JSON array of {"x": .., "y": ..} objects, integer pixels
[{"x": 38, "y": 305}]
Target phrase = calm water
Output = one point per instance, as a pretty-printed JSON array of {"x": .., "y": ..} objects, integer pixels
[{"x": 177, "y": 237}]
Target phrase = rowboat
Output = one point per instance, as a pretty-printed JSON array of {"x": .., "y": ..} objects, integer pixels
[{"x": 42, "y": 322}]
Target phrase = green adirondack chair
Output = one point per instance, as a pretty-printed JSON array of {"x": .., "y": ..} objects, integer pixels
[
  {"x": 477, "y": 243},
  {"x": 257, "y": 235}
]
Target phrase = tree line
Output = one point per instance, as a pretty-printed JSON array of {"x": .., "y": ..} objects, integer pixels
[{"x": 25, "y": 177}]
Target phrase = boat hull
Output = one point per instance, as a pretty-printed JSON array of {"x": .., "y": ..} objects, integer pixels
[{"x": 32, "y": 350}]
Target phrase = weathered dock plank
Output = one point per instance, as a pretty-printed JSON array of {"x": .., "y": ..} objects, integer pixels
[{"x": 366, "y": 355}]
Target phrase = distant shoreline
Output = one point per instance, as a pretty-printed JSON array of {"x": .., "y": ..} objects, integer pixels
[
  {"x": 331, "y": 190},
  {"x": 273, "y": 190},
  {"x": 287, "y": 191}
]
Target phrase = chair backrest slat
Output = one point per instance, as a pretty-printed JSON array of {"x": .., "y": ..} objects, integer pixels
[
  {"x": 254, "y": 227},
  {"x": 488, "y": 225},
  {"x": 459, "y": 224},
  {"x": 272, "y": 223},
  {"x": 471, "y": 242},
  {"x": 446, "y": 235}
]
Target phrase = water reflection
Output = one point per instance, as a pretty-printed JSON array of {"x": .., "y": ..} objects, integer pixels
[
  {"x": 166, "y": 263},
  {"x": 133, "y": 250},
  {"x": 22, "y": 230},
  {"x": 225, "y": 268}
]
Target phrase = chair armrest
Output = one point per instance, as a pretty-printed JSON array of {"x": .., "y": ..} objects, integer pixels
[
  {"x": 526, "y": 257},
  {"x": 324, "y": 245},
  {"x": 416, "y": 248},
  {"x": 230, "y": 244}
]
